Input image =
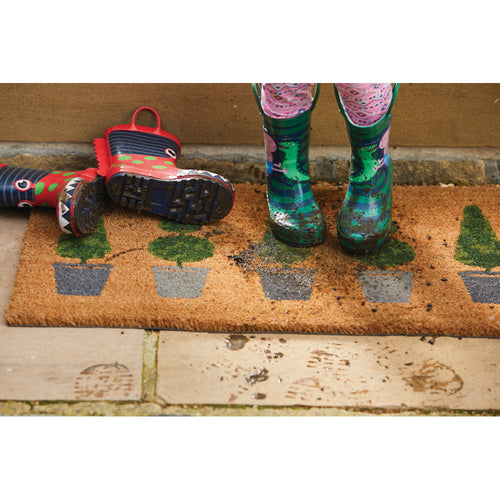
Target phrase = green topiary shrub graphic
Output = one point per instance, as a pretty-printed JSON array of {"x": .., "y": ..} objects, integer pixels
[
  {"x": 271, "y": 250},
  {"x": 477, "y": 244},
  {"x": 391, "y": 254},
  {"x": 83, "y": 279},
  {"x": 272, "y": 260},
  {"x": 182, "y": 247},
  {"x": 92, "y": 246}
]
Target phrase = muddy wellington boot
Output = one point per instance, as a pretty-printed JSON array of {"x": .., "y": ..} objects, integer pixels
[
  {"x": 294, "y": 214},
  {"x": 364, "y": 220},
  {"x": 140, "y": 168},
  {"x": 79, "y": 197}
]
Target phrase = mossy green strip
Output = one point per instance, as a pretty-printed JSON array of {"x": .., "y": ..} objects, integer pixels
[
  {"x": 149, "y": 369},
  {"x": 111, "y": 408}
]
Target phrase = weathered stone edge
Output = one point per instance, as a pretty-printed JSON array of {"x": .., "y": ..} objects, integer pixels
[
  {"x": 109, "y": 408},
  {"x": 414, "y": 166}
]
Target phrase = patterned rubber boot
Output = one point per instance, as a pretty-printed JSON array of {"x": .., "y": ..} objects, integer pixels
[
  {"x": 79, "y": 197},
  {"x": 294, "y": 214},
  {"x": 364, "y": 220},
  {"x": 139, "y": 164}
]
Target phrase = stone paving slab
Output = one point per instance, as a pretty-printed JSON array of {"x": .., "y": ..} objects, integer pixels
[
  {"x": 60, "y": 363},
  {"x": 332, "y": 371},
  {"x": 13, "y": 224},
  {"x": 70, "y": 364}
]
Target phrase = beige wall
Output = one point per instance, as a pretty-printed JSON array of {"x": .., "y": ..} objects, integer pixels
[{"x": 448, "y": 115}]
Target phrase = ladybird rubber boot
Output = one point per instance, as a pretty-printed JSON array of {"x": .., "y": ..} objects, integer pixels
[
  {"x": 295, "y": 217},
  {"x": 139, "y": 165},
  {"x": 79, "y": 197},
  {"x": 364, "y": 219}
]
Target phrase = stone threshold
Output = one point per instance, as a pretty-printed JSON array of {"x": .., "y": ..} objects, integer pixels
[{"x": 245, "y": 163}]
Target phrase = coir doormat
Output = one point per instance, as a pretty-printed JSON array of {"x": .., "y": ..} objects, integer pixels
[{"x": 437, "y": 275}]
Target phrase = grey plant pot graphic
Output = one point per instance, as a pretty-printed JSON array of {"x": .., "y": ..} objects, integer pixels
[
  {"x": 81, "y": 279},
  {"x": 180, "y": 282},
  {"x": 287, "y": 284},
  {"x": 386, "y": 286},
  {"x": 483, "y": 287}
]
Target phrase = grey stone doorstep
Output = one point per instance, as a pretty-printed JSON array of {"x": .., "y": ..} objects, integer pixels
[{"x": 243, "y": 163}]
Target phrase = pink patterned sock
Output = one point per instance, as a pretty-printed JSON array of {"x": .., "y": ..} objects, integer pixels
[
  {"x": 286, "y": 100},
  {"x": 365, "y": 103}
]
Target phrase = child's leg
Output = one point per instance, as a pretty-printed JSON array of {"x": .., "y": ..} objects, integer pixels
[
  {"x": 286, "y": 100},
  {"x": 365, "y": 103}
]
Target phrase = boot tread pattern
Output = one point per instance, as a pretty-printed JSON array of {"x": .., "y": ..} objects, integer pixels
[
  {"x": 193, "y": 200},
  {"x": 88, "y": 205}
]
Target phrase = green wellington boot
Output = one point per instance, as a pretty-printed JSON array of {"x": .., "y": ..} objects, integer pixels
[
  {"x": 294, "y": 214},
  {"x": 364, "y": 220}
]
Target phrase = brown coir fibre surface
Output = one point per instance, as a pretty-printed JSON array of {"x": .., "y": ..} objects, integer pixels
[{"x": 233, "y": 299}]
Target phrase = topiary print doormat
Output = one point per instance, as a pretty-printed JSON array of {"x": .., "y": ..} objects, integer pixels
[{"x": 439, "y": 274}]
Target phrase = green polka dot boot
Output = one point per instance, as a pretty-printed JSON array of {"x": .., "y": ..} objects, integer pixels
[
  {"x": 139, "y": 164},
  {"x": 79, "y": 197}
]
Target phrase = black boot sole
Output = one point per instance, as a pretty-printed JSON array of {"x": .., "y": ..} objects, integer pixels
[
  {"x": 197, "y": 199},
  {"x": 89, "y": 202}
]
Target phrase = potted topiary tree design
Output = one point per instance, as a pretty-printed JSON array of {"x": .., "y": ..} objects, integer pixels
[
  {"x": 180, "y": 247},
  {"x": 383, "y": 285},
  {"x": 272, "y": 260},
  {"x": 83, "y": 278},
  {"x": 478, "y": 246}
]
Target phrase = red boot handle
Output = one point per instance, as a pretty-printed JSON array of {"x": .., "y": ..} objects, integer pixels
[{"x": 133, "y": 125}]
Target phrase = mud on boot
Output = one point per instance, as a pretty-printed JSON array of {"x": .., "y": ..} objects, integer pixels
[
  {"x": 364, "y": 219},
  {"x": 294, "y": 214}
]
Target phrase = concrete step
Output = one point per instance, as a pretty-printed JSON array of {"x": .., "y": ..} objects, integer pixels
[{"x": 412, "y": 165}]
